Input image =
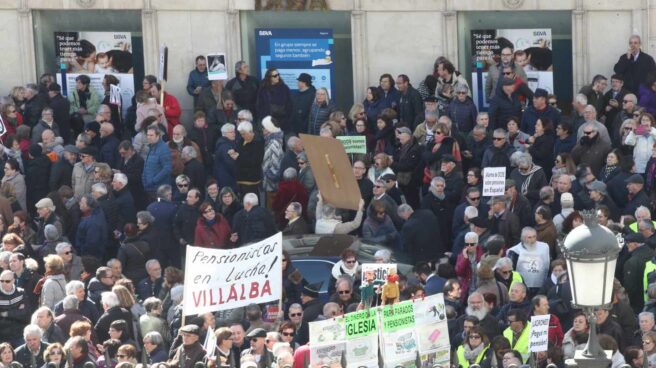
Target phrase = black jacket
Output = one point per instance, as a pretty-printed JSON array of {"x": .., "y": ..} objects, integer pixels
[
  {"x": 127, "y": 213},
  {"x": 632, "y": 204},
  {"x": 244, "y": 92},
  {"x": 61, "y": 113},
  {"x": 206, "y": 140},
  {"x": 196, "y": 173},
  {"x": 422, "y": 236},
  {"x": 503, "y": 107},
  {"x": 110, "y": 209},
  {"x": 184, "y": 223},
  {"x": 298, "y": 227},
  {"x": 633, "y": 273},
  {"x": 133, "y": 255},
  {"x": 33, "y": 108},
  {"x": 302, "y": 103},
  {"x": 253, "y": 225},
  {"x": 24, "y": 356},
  {"x": 61, "y": 174},
  {"x": 634, "y": 71},
  {"x": 249, "y": 162},
  {"x": 35, "y": 173},
  {"x": 18, "y": 314},
  {"x": 443, "y": 210},
  {"x": 410, "y": 106},
  {"x": 109, "y": 151},
  {"x": 133, "y": 169},
  {"x": 112, "y": 314}
]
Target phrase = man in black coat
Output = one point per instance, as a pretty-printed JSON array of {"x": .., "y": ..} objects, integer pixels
[
  {"x": 62, "y": 171},
  {"x": 504, "y": 105},
  {"x": 634, "y": 65},
  {"x": 312, "y": 309},
  {"x": 606, "y": 325},
  {"x": 132, "y": 166},
  {"x": 61, "y": 111},
  {"x": 127, "y": 213},
  {"x": 253, "y": 223},
  {"x": 244, "y": 87},
  {"x": 113, "y": 312},
  {"x": 34, "y": 104},
  {"x": 437, "y": 201},
  {"x": 302, "y": 101},
  {"x": 248, "y": 156},
  {"x": 184, "y": 223},
  {"x": 30, "y": 354},
  {"x": 205, "y": 136},
  {"x": 410, "y": 102},
  {"x": 100, "y": 193},
  {"x": 421, "y": 235},
  {"x": 637, "y": 196},
  {"x": 108, "y": 145},
  {"x": 193, "y": 168},
  {"x": 289, "y": 159},
  {"x": 634, "y": 268}
]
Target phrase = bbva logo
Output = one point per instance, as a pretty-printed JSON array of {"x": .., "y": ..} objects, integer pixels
[{"x": 266, "y": 33}]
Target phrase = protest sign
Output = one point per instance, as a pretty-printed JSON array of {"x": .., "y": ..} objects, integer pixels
[
  {"x": 494, "y": 181},
  {"x": 216, "y": 67},
  {"x": 218, "y": 279},
  {"x": 398, "y": 329},
  {"x": 328, "y": 341},
  {"x": 539, "y": 338},
  {"x": 431, "y": 324},
  {"x": 379, "y": 271},
  {"x": 332, "y": 171},
  {"x": 327, "y": 330},
  {"x": 327, "y": 355},
  {"x": 354, "y": 143},
  {"x": 362, "y": 336}
]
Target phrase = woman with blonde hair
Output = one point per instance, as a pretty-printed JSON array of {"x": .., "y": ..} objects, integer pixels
[
  {"x": 127, "y": 354},
  {"x": 54, "y": 356},
  {"x": 127, "y": 300},
  {"x": 381, "y": 166},
  {"x": 103, "y": 174},
  {"x": 52, "y": 287}
]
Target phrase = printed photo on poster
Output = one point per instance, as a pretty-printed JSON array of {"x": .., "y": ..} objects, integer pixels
[
  {"x": 95, "y": 52},
  {"x": 432, "y": 327},
  {"x": 329, "y": 355},
  {"x": 216, "y": 67}
]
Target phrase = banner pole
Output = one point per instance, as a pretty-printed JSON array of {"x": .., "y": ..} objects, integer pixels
[{"x": 161, "y": 96}]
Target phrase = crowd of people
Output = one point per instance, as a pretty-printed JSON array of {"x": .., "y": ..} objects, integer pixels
[{"x": 96, "y": 207}]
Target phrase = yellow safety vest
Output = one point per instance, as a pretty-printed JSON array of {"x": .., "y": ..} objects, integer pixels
[
  {"x": 521, "y": 345},
  {"x": 464, "y": 363},
  {"x": 634, "y": 226},
  {"x": 650, "y": 267},
  {"x": 516, "y": 277}
]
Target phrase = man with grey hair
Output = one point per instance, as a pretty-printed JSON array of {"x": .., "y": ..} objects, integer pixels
[
  {"x": 197, "y": 79},
  {"x": 380, "y": 193},
  {"x": 47, "y": 122},
  {"x": 294, "y": 147},
  {"x": 13, "y": 310},
  {"x": 85, "y": 306},
  {"x": 646, "y": 323},
  {"x": 109, "y": 145},
  {"x": 498, "y": 154},
  {"x": 110, "y": 209},
  {"x": 30, "y": 354},
  {"x": 634, "y": 65},
  {"x": 477, "y": 142},
  {"x": 151, "y": 285},
  {"x": 590, "y": 117},
  {"x": 163, "y": 210},
  {"x": 112, "y": 312},
  {"x": 296, "y": 224},
  {"x": 252, "y": 223},
  {"x": 531, "y": 260},
  {"x": 127, "y": 213},
  {"x": 70, "y": 314},
  {"x": 243, "y": 86},
  {"x": 193, "y": 168},
  {"x": 438, "y": 202},
  {"x": 153, "y": 343},
  {"x": 421, "y": 234},
  {"x": 424, "y": 132},
  {"x": 225, "y": 158},
  {"x": 467, "y": 263},
  {"x": 248, "y": 160},
  {"x": 647, "y": 229},
  {"x": 591, "y": 148},
  {"x": 93, "y": 231}
]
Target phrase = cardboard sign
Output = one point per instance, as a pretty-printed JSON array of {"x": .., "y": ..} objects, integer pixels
[
  {"x": 163, "y": 63},
  {"x": 332, "y": 171},
  {"x": 216, "y": 67},
  {"x": 218, "y": 279},
  {"x": 494, "y": 181},
  {"x": 539, "y": 338},
  {"x": 354, "y": 144}
]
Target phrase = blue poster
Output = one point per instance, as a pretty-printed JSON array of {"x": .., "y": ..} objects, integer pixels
[{"x": 294, "y": 51}]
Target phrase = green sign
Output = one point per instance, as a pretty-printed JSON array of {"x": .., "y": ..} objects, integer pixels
[
  {"x": 354, "y": 143},
  {"x": 360, "y": 324},
  {"x": 398, "y": 316}
]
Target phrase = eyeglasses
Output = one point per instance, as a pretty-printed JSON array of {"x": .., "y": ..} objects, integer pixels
[
  {"x": 343, "y": 292},
  {"x": 471, "y": 244},
  {"x": 498, "y": 139},
  {"x": 275, "y": 75},
  {"x": 7, "y": 281},
  {"x": 295, "y": 314},
  {"x": 121, "y": 356},
  {"x": 288, "y": 334},
  {"x": 507, "y": 73},
  {"x": 182, "y": 185},
  {"x": 56, "y": 352},
  {"x": 587, "y": 133},
  {"x": 477, "y": 337},
  {"x": 475, "y": 198},
  {"x": 350, "y": 262}
]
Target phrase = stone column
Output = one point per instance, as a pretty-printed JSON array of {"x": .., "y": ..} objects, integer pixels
[
  {"x": 150, "y": 40},
  {"x": 359, "y": 52},
  {"x": 233, "y": 38},
  {"x": 450, "y": 36},
  {"x": 26, "y": 42},
  {"x": 579, "y": 42}
]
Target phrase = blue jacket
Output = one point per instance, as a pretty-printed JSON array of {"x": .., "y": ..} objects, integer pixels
[
  {"x": 391, "y": 99},
  {"x": 224, "y": 165},
  {"x": 434, "y": 285},
  {"x": 318, "y": 115},
  {"x": 196, "y": 79},
  {"x": 157, "y": 166},
  {"x": 109, "y": 151},
  {"x": 531, "y": 116},
  {"x": 164, "y": 213},
  {"x": 463, "y": 114},
  {"x": 92, "y": 233},
  {"x": 372, "y": 109},
  {"x": 564, "y": 145}
]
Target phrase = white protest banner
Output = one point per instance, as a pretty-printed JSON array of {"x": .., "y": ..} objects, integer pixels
[
  {"x": 354, "y": 143},
  {"x": 216, "y": 67},
  {"x": 494, "y": 181},
  {"x": 379, "y": 271},
  {"x": 218, "y": 279},
  {"x": 539, "y": 338}
]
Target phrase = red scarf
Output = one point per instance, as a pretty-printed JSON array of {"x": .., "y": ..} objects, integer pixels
[{"x": 39, "y": 284}]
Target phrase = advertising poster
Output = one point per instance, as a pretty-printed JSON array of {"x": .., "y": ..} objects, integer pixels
[
  {"x": 486, "y": 52},
  {"x": 96, "y": 54},
  {"x": 219, "y": 279},
  {"x": 216, "y": 67},
  {"x": 296, "y": 51}
]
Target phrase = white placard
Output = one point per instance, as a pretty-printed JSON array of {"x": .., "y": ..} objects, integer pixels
[
  {"x": 494, "y": 181},
  {"x": 218, "y": 279},
  {"x": 216, "y": 66},
  {"x": 539, "y": 338}
]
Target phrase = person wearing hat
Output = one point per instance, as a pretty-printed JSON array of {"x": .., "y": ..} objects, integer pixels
[
  {"x": 92, "y": 129},
  {"x": 244, "y": 87},
  {"x": 599, "y": 196},
  {"x": 633, "y": 270},
  {"x": 540, "y": 109},
  {"x": 60, "y": 110},
  {"x": 504, "y": 221},
  {"x": 83, "y": 171},
  {"x": 504, "y": 104},
  {"x": 312, "y": 309},
  {"x": 302, "y": 101},
  {"x": 406, "y": 166},
  {"x": 263, "y": 356},
  {"x": 636, "y": 197},
  {"x": 190, "y": 350},
  {"x": 391, "y": 188}
]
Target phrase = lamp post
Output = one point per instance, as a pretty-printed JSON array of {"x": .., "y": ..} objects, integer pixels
[{"x": 591, "y": 252}]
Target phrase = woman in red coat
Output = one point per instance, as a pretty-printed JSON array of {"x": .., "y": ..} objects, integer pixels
[{"x": 212, "y": 229}]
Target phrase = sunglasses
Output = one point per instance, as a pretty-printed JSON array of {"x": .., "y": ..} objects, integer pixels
[
  {"x": 343, "y": 292},
  {"x": 55, "y": 353},
  {"x": 499, "y": 139},
  {"x": 275, "y": 75},
  {"x": 471, "y": 244},
  {"x": 7, "y": 281},
  {"x": 288, "y": 334},
  {"x": 475, "y": 198},
  {"x": 295, "y": 314},
  {"x": 183, "y": 185},
  {"x": 587, "y": 133}
]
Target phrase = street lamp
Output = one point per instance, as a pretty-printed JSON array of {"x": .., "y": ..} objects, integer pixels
[{"x": 591, "y": 252}]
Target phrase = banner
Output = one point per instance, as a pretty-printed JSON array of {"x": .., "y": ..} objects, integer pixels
[
  {"x": 494, "y": 181},
  {"x": 486, "y": 50},
  {"x": 539, "y": 338},
  {"x": 329, "y": 345},
  {"x": 218, "y": 279},
  {"x": 96, "y": 54},
  {"x": 354, "y": 143},
  {"x": 216, "y": 67},
  {"x": 296, "y": 51},
  {"x": 362, "y": 335}
]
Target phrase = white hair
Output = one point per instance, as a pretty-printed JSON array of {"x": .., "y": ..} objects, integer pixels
[
  {"x": 503, "y": 262},
  {"x": 121, "y": 178},
  {"x": 471, "y": 212},
  {"x": 109, "y": 299},
  {"x": 73, "y": 285},
  {"x": 227, "y": 128},
  {"x": 100, "y": 188},
  {"x": 245, "y": 127},
  {"x": 471, "y": 237},
  {"x": 61, "y": 247},
  {"x": 251, "y": 198},
  {"x": 384, "y": 254},
  {"x": 70, "y": 302},
  {"x": 32, "y": 330},
  {"x": 245, "y": 114},
  {"x": 642, "y": 209},
  {"x": 581, "y": 99},
  {"x": 437, "y": 179},
  {"x": 189, "y": 151}
]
